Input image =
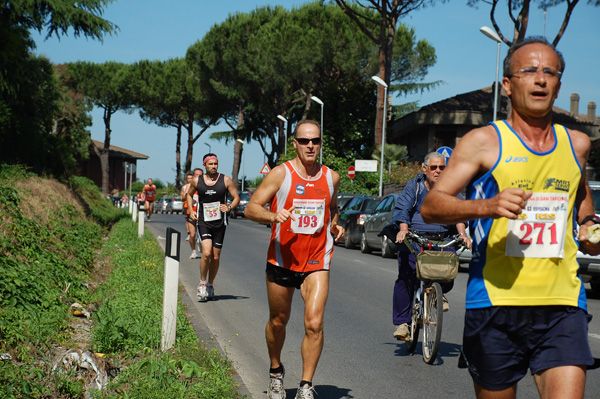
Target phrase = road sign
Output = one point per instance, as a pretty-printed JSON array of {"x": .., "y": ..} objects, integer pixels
[
  {"x": 446, "y": 152},
  {"x": 365, "y": 165},
  {"x": 265, "y": 169},
  {"x": 351, "y": 172}
]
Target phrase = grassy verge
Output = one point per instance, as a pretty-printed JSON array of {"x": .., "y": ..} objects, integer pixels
[{"x": 56, "y": 250}]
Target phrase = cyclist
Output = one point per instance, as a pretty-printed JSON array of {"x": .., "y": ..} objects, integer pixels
[{"x": 407, "y": 213}]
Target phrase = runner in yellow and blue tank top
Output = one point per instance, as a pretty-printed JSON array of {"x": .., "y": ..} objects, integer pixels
[{"x": 526, "y": 192}]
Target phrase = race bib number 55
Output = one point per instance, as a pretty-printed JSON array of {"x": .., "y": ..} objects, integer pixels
[
  {"x": 211, "y": 211},
  {"x": 539, "y": 231},
  {"x": 310, "y": 216}
]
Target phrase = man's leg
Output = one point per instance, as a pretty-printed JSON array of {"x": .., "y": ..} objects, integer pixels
[
  {"x": 483, "y": 393},
  {"x": 315, "y": 290},
  {"x": 206, "y": 259},
  {"x": 213, "y": 267},
  {"x": 565, "y": 382},
  {"x": 280, "y": 306}
]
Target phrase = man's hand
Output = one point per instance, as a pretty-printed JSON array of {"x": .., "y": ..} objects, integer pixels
[
  {"x": 337, "y": 231},
  {"x": 587, "y": 246},
  {"x": 283, "y": 215},
  {"x": 193, "y": 214},
  {"x": 401, "y": 236},
  {"x": 508, "y": 203}
]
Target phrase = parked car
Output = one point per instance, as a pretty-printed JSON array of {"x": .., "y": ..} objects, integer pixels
[
  {"x": 343, "y": 199},
  {"x": 161, "y": 205},
  {"x": 589, "y": 266},
  {"x": 381, "y": 216},
  {"x": 354, "y": 216},
  {"x": 175, "y": 205},
  {"x": 239, "y": 210}
]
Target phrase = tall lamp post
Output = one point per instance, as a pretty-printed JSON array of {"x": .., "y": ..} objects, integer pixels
[
  {"x": 318, "y": 101},
  {"x": 243, "y": 163},
  {"x": 285, "y": 132},
  {"x": 492, "y": 35},
  {"x": 380, "y": 82}
]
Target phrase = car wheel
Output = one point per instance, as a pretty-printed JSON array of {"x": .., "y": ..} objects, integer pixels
[
  {"x": 364, "y": 247},
  {"x": 386, "y": 249},
  {"x": 348, "y": 240}
]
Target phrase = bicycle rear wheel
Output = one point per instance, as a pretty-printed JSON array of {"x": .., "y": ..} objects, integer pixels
[
  {"x": 413, "y": 326},
  {"x": 432, "y": 321}
]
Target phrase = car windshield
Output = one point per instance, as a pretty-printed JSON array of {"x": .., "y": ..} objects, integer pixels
[
  {"x": 245, "y": 196},
  {"x": 354, "y": 204},
  {"x": 372, "y": 204}
]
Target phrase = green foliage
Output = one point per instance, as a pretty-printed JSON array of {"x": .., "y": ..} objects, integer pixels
[{"x": 98, "y": 207}]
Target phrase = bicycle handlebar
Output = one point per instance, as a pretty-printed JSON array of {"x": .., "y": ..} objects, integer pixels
[{"x": 425, "y": 243}]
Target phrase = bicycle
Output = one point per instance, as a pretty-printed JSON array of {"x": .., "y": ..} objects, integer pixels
[{"x": 433, "y": 265}]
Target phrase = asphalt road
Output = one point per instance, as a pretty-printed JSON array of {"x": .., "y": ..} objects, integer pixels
[{"x": 360, "y": 359}]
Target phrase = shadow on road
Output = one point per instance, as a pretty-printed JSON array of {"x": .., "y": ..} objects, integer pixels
[
  {"x": 446, "y": 350},
  {"x": 324, "y": 391}
]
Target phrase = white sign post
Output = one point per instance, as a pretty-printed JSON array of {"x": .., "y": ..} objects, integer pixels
[
  {"x": 134, "y": 213},
  {"x": 171, "y": 288},
  {"x": 141, "y": 224}
]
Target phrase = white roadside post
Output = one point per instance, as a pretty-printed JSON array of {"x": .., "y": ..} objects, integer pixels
[
  {"x": 170, "y": 290},
  {"x": 134, "y": 213},
  {"x": 141, "y": 224}
]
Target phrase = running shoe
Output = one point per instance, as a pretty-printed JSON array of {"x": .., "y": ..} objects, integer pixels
[
  {"x": 446, "y": 305},
  {"x": 402, "y": 332},
  {"x": 187, "y": 238},
  {"x": 202, "y": 294},
  {"x": 305, "y": 392},
  {"x": 276, "y": 390},
  {"x": 193, "y": 255},
  {"x": 211, "y": 292}
]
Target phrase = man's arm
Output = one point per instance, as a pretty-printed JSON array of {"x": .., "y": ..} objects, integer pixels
[
  {"x": 475, "y": 154},
  {"x": 234, "y": 194},
  {"x": 335, "y": 229},
  {"x": 189, "y": 197},
  {"x": 584, "y": 202},
  {"x": 255, "y": 210}
]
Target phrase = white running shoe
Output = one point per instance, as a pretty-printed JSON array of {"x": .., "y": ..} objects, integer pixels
[
  {"x": 193, "y": 255},
  {"x": 276, "y": 390},
  {"x": 211, "y": 292},
  {"x": 305, "y": 392},
  {"x": 202, "y": 294},
  {"x": 187, "y": 238}
]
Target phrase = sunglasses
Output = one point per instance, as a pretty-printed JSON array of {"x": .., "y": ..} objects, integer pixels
[
  {"x": 434, "y": 167},
  {"x": 304, "y": 141}
]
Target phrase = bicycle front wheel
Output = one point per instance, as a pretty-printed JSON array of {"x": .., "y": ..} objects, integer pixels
[{"x": 432, "y": 322}]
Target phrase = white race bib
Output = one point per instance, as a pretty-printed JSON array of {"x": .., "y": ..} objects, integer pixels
[
  {"x": 539, "y": 232},
  {"x": 211, "y": 211},
  {"x": 309, "y": 214}
]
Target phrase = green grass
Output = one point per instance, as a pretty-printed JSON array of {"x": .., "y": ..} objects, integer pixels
[{"x": 52, "y": 255}]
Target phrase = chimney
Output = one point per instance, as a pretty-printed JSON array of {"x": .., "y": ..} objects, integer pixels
[
  {"x": 575, "y": 104},
  {"x": 591, "y": 111}
]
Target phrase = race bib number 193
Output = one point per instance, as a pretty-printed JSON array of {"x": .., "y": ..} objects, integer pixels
[
  {"x": 309, "y": 214},
  {"x": 539, "y": 231}
]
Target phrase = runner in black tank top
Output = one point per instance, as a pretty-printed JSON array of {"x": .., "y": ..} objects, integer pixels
[{"x": 212, "y": 188}]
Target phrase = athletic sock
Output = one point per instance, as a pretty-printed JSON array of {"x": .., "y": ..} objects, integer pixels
[
  {"x": 302, "y": 383},
  {"x": 277, "y": 370}
]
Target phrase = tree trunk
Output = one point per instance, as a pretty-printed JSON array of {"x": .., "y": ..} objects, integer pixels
[
  {"x": 104, "y": 153},
  {"x": 237, "y": 151},
  {"x": 190, "y": 150},
  {"x": 178, "y": 176}
]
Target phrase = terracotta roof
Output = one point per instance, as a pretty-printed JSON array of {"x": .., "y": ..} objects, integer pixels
[{"x": 120, "y": 151}]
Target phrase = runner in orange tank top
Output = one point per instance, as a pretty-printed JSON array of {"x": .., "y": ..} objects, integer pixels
[{"x": 303, "y": 216}]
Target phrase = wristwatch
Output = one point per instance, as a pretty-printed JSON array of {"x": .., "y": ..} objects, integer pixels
[{"x": 229, "y": 206}]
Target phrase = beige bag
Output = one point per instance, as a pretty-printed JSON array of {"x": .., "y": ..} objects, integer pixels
[{"x": 437, "y": 265}]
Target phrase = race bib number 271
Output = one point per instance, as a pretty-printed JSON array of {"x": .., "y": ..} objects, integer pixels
[{"x": 539, "y": 231}]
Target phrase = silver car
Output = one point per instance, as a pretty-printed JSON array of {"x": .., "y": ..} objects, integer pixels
[{"x": 175, "y": 206}]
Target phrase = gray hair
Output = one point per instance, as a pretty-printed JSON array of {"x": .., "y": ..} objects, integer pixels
[
  {"x": 433, "y": 155},
  {"x": 530, "y": 40}
]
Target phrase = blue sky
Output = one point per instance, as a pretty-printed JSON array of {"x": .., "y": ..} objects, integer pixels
[{"x": 161, "y": 29}]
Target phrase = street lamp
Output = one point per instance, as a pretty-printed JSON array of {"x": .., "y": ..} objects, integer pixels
[
  {"x": 243, "y": 163},
  {"x": 380, "y": 82},
  {"x": 318, "y": 101},
  {"x": 285, "y": 132},
  {"x": 209, "y": 147},
  {"x": 492, "y": 35}
]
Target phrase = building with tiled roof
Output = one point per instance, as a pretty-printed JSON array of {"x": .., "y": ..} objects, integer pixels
[
  {"x": 444, "y": 122},
  {"x": 117, "y": 156}
]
